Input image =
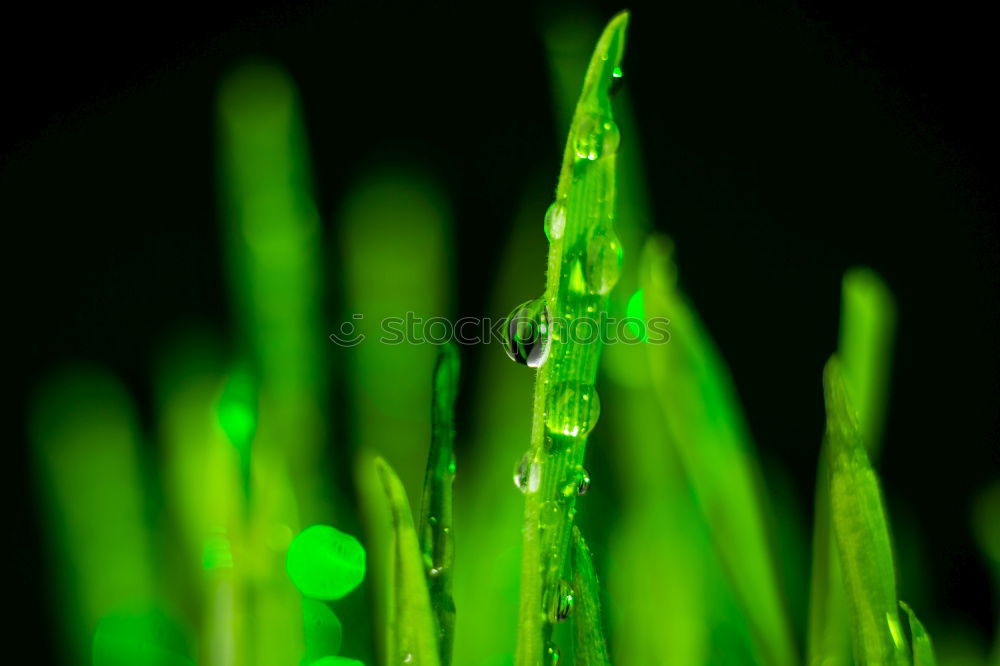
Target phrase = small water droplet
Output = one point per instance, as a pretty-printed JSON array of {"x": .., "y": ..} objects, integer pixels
[
  {"x": 451, "y": 466},
  {"x": 617, "y": 81},
  {"x": 549, "y": 513},
  {"x": 527, "y": 335},
  {"x": 596, "y": 137},
  {"x": 573, "y": 409},
  {"x": 582, "y": 482},
  {"x": 521, "y": 471},
  {"x": 552, "y": 654},
  {"x": 561, "y": 604},
  {"x": 604, "y": 261},
  {"x": 555, "y": 221},
  {"x": 408, "y": 658}
]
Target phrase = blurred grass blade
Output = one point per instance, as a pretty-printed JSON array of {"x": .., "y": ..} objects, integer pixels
[
  {"x": 591, "y": 648},
  {"x": 861, "y": 531},
  {"x": 85, "y": 438},
  {"x": 920, "y": 640},
  {"x": 867, "y": 325},
  {"x": 436, "y": 530},
  {"x": 706, "y": 425},
  {"x": 580, "y": 231},
  {"x": 411, "y": 630}
]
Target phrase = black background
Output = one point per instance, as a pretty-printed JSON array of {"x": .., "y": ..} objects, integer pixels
[{"x": 783, "y": 143}]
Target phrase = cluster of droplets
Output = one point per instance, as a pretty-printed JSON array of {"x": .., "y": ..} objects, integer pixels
[{"x": 596, "y": 136}]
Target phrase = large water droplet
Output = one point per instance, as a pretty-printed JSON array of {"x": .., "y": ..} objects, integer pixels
[
  {"x": 573, "y": 409},
  {"x": 527, "y": 334},
  {"x": 555, "y": 221},
  {"x": 604, "y": 261},
  {"x": 596, "y": 137},
  {"x": 561, "y": 604}
]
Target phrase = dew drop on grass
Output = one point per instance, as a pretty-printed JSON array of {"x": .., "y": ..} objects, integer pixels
[
  {"x": 577, "y": 483},
  {"x": 549, "y": 513},
  {"x": 527, "y": 333},
  {"x": 325, "y": 563},
  {"x": 561, "y": 604},
  {"x": 526, "y": 473},
  {"x": 604, "y": 261},
  {"x": 596, "y": 137},
  {"x": 555, "y": 221},
  {"x": 573, "y": 409},
  {"x": 617, "y": 81},
  {"x": 552, "y": 654}
]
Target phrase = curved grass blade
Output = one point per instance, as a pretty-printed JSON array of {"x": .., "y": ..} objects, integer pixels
[
  {"x": 591, "y": 648},
  {"x": 706, "y": 425},
  {"x": 920, "y": 640},
  {"x": 411, "y": 634},
  {"x": 436, "y": 536},
  {"x": 861, "y": 531},
  {"x": 580, "y": 232}
]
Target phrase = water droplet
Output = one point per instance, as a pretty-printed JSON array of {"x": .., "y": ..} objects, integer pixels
[
  {"x": 617, "y": 81},
  {"x": 552, "y": 654},
  {"x": 596, "y": 137},
  {"x": 555, "y": 221},
  {"x": 451, "y": 466},
  {"x": 549, "y": 513},
  {"x": 526, "y": 331},
  {"x": 577, "y": 483},
  {"x": 561, "y": 604},
  {"x": 604, "y": 261},
  {"x": 573, "y": 409},
  {"x": 325, "y": 563},
  {"x": 408, "y": 658},
  {"x": 521, "y": 471}
]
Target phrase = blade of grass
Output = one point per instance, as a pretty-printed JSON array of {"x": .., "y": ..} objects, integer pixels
[
  {"x": 580, "y": 230},
  {"x": 920, "y": 640},
  {"x": 861, "y": 532},
  {"x": 84, "y": 435},
  {"x": 591, "y": 648},
  {"x": 867, "y": 320},
  {"x": 706, "y": 425},
  {"x": 436, "y": 530},
  {"x": 411, "y": 632}
]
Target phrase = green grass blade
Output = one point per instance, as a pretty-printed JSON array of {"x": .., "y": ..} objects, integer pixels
[
  {"x": 861, "y": 531},
  {"x": 436, "y": 525},
  {"x": 85, "y": 438},
  {"x": 580, "y": 232},
  {"x": 867, "y": 321},
  {"x": 591, "y": 648},
  {"x": 706, "y": 425},
  {"x": 867, "y": 325},
  {"x": 411, "y": 633},
  {"x": 920, "y": 640}
]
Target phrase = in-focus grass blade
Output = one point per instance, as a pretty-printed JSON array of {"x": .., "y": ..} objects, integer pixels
[
  {"x": 411, "y": 632},
  {"x": 584, "y": 264},
  {"x": 867, "y": 321},
  {"x": 920, "y": 640},
  {"x": 861, "y": 531},
  {"x": 706, "y": 425},
  {"x": 591, "y": 648},
  {"x": 436, "y": 529}
]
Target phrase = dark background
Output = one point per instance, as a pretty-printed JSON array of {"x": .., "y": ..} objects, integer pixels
[{"x": 783, "y": 142}]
